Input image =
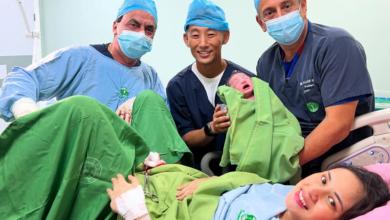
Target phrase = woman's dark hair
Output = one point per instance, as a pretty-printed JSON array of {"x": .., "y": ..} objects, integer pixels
[
  {"x": 230, "y": 77},
  {"x": 375, "y": 192}
]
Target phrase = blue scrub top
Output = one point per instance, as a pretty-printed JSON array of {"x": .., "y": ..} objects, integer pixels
[
  {"x": 78, "y": 70},
  {"x": 331, "y": 68},
  {"x": 192, "y": 110}
]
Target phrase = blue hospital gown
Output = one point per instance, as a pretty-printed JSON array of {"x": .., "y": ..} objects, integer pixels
[
  {"x": 78, "y": 70},
  {"x": 259, "y": 201}
]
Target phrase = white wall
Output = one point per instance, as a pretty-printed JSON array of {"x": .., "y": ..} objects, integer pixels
[
  {"x": 3, "y": 124},
  {"x": 13, "y": 40},
  {"x": 90, "y": 21}
]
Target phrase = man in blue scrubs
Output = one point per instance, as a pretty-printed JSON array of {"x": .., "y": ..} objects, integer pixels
[
  {"x": 110, "y": 73},
  {"x": 192, "y": 92},
  {"x": 319, "y": 73}
]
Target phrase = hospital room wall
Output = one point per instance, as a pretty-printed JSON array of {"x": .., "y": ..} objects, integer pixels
[
  {"x": 15, "y": 49},
  {"x": 90, "y": 21}
]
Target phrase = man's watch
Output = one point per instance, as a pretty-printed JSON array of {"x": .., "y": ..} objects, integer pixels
[{"x": 208, "y": 131}]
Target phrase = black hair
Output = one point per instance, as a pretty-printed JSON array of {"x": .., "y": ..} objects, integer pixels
[
  {"x": 118, "y": 20},
  {"x": 231, "y": 76},
  {"x": 375, "y": 192}
]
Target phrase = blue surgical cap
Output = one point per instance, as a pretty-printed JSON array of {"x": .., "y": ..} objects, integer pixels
[
  {"x": 144, "y": 5},
  {"x": 205, "y": 13},
  {"x": 257, "y": 2}
]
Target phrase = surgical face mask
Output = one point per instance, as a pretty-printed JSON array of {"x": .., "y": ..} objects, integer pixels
[
  {"x": 134, "y": 44},
  {"x": 286, "y": 29}
]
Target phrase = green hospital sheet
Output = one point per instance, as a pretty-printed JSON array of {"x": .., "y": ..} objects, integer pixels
[
  {"x": 164, "y": 181},
  {"x": 56, "y": 163}
]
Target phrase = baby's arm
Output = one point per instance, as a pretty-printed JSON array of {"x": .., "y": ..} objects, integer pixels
[{"x": 128, "y": 200}]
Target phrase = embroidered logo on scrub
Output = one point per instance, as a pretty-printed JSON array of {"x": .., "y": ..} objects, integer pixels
[
  {"x": 243, "y": 216},
  {"x": 248, "y": 217},
  {"x": 91, "y": 171},
  {"x": 312, "y": 106},
  {"x": 123, "y": 93}
]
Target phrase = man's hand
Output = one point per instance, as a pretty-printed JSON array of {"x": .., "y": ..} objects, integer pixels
[
  {"x": 198, "y": 138},
  {"x": 333, "y": 129},
  {"x": 120, "y": 186},
  {"x": 126, "y": 109},
  {"x": 189, "y": 188},
  {"x": 220, "y": 123}
]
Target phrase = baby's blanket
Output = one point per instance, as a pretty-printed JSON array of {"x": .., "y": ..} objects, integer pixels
[{"x": 264, "y": 137}]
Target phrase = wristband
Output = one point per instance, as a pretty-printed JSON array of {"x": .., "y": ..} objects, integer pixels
[{"x": 131, "y": 204}]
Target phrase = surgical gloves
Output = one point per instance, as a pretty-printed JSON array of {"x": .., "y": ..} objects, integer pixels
[{"x": 23, "y": 107}]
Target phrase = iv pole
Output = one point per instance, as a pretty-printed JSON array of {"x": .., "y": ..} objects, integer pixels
[{"x": 33, "y": 34}]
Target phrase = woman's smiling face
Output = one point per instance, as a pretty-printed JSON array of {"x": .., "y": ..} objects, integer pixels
[{"x": 323, "y": 196}]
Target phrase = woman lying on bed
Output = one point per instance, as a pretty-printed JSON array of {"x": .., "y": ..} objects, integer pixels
[
  {"x": 341, "y": 193},
  {"x": 55, "y": 164}
]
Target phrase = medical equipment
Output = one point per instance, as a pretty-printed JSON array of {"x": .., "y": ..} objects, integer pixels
[
  {"x": 223, "y": 107},
  {"x": 33, "y": 34},
  {"x": 286, "y": 29},
  {"x": 149, "y": 192},
  {"x": 153, "y": 160},
  {"x": 374, "y": 149},
  {"x": 134, "y": 44}
]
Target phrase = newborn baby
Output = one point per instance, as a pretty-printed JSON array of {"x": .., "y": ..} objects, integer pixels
[{"x": 243, "y": 83}]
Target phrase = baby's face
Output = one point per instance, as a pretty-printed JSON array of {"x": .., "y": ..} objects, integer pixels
[{"x": 242, "y": 83}]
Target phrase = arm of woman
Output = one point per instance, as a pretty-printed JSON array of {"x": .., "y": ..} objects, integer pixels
[{"x": 128, "y": 200}]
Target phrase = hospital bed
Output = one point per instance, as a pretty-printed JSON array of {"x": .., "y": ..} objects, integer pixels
[{"x": 372, "y": 150}]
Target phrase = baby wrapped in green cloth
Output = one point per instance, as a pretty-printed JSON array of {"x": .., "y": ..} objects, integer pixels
[
  {"x": 265, "y": 137},
  {"x": 243, "y": 83}
]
